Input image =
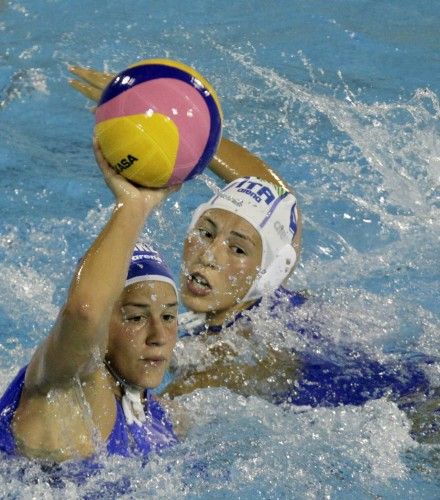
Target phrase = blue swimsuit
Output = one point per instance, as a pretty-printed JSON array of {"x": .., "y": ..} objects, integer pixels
[
  {"x": 332, "y": 375},
  {"x": 126, "y": 440}
]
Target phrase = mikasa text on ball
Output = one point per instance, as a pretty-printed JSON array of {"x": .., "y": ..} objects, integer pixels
[{"x": 158, "y": 122}]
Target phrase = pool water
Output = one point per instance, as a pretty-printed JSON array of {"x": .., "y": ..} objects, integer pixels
[{"x": 342, "y": 98}]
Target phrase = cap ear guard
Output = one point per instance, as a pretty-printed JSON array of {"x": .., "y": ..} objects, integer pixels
[{"x": 277, "y": 271}]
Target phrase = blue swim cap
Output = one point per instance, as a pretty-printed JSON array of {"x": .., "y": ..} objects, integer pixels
[{"x": 147, "y": 265}]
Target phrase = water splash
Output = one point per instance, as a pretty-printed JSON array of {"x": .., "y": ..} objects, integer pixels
[
  {"x": 23, "y": 83},
  {"x": 399, "y": 141}
]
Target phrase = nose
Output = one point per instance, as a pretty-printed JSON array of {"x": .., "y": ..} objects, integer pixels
[
  {"x": 156, "y": 333},
  {"x": 210, "y": 255}
]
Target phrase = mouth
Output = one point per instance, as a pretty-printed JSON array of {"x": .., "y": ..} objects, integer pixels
[
  {"x": 153, "y": 361},
  {"x": 198, "y": 285}
]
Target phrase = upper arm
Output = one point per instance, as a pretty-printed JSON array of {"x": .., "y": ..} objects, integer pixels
[
  {"x": 233, "y": 160},
  {"x": 69, "y": 350}
]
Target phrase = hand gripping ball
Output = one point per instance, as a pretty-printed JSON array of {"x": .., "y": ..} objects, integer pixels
[{"x": 158, "y": 123}]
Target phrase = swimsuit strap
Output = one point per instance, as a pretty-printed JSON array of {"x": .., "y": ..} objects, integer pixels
[{"x": 194, "y": 324}]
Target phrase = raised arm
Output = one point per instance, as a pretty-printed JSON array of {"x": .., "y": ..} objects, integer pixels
[
  {"x": 78, "y": 340},
  {"x": 231, "y": 159}
]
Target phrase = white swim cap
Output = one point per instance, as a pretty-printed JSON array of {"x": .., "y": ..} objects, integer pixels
[{"x": 272, "y": 211}]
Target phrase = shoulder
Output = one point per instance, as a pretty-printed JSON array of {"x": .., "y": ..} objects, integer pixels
[
  {"x": 39, "y": 422},
  {"x": 290, "y": 298},
  {"x": 170, "y": 410}
]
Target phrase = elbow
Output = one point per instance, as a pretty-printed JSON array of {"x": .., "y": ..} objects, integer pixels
[
  {"x": 81, "y": 330},
  {"x": 85, "y": 312}
]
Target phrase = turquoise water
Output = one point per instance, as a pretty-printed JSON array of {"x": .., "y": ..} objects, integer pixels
[{"x": 342, "y": 98}]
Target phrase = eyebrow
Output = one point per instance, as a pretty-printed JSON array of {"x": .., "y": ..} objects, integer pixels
[
  {"x": 209, "y": 220},
  {"x": 244, "y": 237},
  {"x": 235, "y": 233},
  {"x": 147, "y": 306}
]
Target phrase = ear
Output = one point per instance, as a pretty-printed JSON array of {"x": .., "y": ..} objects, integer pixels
[{"x": 278, "y": 270}]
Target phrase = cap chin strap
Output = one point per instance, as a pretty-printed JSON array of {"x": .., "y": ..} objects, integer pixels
[
  {"x": 270, "y": 279},
  {"x": 132, "y": 406},
  {"x": 131, "y": 399},
  {"x": 191, "y": 320}
]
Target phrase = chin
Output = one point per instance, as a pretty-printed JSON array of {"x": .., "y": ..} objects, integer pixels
[
  {"x": 207, "y": 304},
  {"x": 151, "y": 382},
  {"x": 194, "y": 303}
]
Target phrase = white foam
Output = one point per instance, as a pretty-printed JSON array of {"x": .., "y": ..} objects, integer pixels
[
  {"x": 298, "y": 447},
  {"x": 26, "y": 288}
]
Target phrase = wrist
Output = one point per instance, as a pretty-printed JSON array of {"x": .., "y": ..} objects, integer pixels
[{"x": 134, "y": 205}]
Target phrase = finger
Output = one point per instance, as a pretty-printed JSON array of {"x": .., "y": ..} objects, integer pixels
[
  {"x": 96, "y": 78},
  {"x": 92, "y": 93},
  {"x": 103, "y": 164},
  {"x": 175, "y": 188},
  {"x": 97, "y": 151}
]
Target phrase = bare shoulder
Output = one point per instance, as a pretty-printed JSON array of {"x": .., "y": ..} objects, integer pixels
[
  {"x": 62, "y": 423},
  {"x": 178, "y": 414}
]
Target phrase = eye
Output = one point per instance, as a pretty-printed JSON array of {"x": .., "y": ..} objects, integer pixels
[
  {"x": 237, "y": 250},
  {"x": 205, "y": 233},
  {"x": 169, "y": 318},
  {"x": 136, "y": 319}
]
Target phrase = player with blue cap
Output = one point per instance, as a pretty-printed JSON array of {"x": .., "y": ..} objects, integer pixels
[{"x": 87, "y": 387}]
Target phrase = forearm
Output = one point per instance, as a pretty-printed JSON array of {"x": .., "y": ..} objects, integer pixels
[
  {"x": 266, "y": 376},
  {"x": 79, "y": 338},
  {"x": 233, "y": 160},
  {"x": 100, "y": 278},
  {"x": 240, "y": 378}
]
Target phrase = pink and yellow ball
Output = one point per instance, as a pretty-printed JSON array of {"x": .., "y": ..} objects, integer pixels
[{"x": 158, "y": 123}]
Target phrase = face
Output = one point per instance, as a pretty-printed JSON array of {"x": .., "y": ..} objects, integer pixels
[
  {"x": 143, "y": 332},
  {"x": 221, "y": 258}
]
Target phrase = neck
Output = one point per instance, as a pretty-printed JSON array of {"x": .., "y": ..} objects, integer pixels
[
  {"x": 132, "y": 401},
  {"x": 218, "y": 318},
  {"x": 119, "y": 384}
]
